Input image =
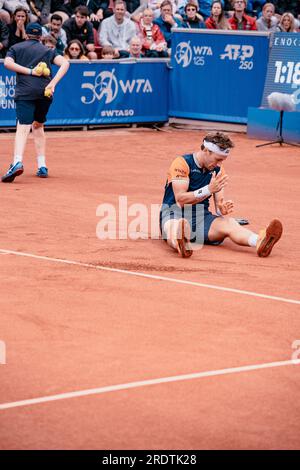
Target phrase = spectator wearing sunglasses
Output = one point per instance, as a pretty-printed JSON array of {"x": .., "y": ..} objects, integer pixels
[
  {"x": 191, "y": 18},
  {"x": 75, "y": 51}
]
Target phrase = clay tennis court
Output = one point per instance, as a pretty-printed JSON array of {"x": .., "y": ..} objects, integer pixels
[{"x": 121, "y": 344}]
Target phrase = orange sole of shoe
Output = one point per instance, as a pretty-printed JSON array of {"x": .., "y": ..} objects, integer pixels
[{"x": 273, "y": 234}]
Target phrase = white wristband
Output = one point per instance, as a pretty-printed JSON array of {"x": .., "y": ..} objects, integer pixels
[{"x": 202, "y": 193}]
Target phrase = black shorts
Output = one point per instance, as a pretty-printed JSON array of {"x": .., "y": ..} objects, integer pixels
[
  {"x": 28, "y": 111},
  {"x": 200, "y": 222}
]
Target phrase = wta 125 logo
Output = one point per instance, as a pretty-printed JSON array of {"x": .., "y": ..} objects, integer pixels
[
  {"x": 106, "y": 86},
  {"x": 185, "y": 54},
  {"x": 243, "y": 54}
]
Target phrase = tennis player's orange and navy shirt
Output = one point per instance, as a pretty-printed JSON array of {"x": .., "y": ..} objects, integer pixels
[{"x": 183, "y": 168}]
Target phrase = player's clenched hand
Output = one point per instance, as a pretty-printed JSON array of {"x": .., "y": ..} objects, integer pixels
[
  {"x": 49, "y": 90},
  {"x": 225, "y": 207},
  {"x": 217, "y": 182}
]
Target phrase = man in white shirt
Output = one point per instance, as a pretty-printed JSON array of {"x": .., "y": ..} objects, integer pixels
[{"x": 117, "y": 31}]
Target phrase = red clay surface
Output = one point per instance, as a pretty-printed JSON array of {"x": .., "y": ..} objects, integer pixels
[{"x": 70, "y": 328}]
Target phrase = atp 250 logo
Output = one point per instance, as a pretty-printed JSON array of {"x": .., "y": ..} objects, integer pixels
[
  {"x": 185, "y": 54},
  {"x": 243, "y": 54},
  {"x": 106, "y": 86}
]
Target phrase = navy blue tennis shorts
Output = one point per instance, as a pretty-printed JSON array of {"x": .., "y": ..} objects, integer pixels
[
  {"x": 28, "y": 111},
  {"x": 200, "y": 222}
]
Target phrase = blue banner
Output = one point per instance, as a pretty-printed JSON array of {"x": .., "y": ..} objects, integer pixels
[
  {"x": 217, "y": 75},
  {"x": 283, "y": 73},
  {"x": 92, "y": 93}
]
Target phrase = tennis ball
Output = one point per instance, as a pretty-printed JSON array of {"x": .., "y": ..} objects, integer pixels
[
  {"x": 48, "y": 93},
  {"x": 43, "y": 64},
  {"x": 46, "y": 72},
  {"x": 39, "y": 69}
]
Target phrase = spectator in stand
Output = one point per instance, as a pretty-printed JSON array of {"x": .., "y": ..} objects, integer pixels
[
  {"x": 153, "y": 41},
  {"x": 78, "y": 27},
  {"x": 287, "y": 24},
  {"x": 267, "y": 21},
  {"x": 49, "y": 41},
  {"x": 63, "y": 8},
  {"x": 18, "y": 25},
  {"x": 217, "y": 19},
  {"x": 166, "y": 21},
  {"x": 254, "y": 7},
  {"x": 240, "y": 21},
  {"x": 98, "y": 10},
  {"x": 41, "y": 10},
  {"x": 117, "y": 31},
  {"x": 132, "y": 5},
  {"x": 205, "y": 8},
  {"x": 8, "y": 7},
  {"x": 107, "y": 53},
  {"x": 55, "y": 29},
  {"x": 75, "y": 51},
  {"x": 191, "y": 18},
  {"x": 291, "y": 6},
  {"x": 135, "y": 48},
  {"x": 4, "y": 38}
]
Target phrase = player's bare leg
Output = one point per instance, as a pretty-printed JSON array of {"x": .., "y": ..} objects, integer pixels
[
  {"x": 22, "y": 134},
  {"x": 178, "y": 234},
  {"x": 264, "y": 242},
  {"x": 40, "y": 147}
]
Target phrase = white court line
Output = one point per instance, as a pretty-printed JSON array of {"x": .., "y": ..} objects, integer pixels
[
  {"x": 153, "y": 276},
  {"x": 145, "y": 383}
]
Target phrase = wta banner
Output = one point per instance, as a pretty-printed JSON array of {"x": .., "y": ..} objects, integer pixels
[
  {"x": 92, "y": 93},
  {"x": 283, "y": 73},
  {"x": 217, "y": 75}
]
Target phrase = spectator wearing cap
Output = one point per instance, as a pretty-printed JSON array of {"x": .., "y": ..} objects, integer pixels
[
  {"x": 240, "y": 21},
  {"x": 78, "y": 27},
  {"x": 117, "y": 31},
  {"x": 31, "y": 103}
]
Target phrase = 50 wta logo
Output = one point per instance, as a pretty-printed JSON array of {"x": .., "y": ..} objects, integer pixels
[{"x": 106, "y": 86}]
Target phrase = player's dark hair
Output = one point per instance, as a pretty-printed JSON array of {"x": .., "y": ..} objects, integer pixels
[{"x": 220, "y": 139}]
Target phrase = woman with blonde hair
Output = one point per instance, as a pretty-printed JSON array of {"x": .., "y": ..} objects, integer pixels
[
  {"x": 287, "y": 23},
  {"x": 75, "y": 51},
  {"x": 217, "y": 19}
]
